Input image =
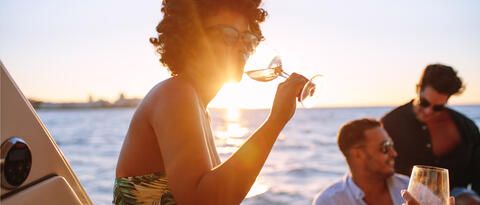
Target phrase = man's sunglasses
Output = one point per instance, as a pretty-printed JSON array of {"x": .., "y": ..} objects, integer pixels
[
  {"x": 386, "y": 146},
  {"x": 231, "y": 35},
  {"x": 425, "y": 104}
]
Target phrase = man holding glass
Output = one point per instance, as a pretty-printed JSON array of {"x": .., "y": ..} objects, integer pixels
[
  {"x": 371, "y": 157},
  {"x": 426, "y": 132}
]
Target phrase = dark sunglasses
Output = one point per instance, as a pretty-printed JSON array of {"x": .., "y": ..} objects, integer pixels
[
  {"x": 425, "y": 104},
  {"x": 386, "y": 146},
  {"x": 231, "y": 35}
]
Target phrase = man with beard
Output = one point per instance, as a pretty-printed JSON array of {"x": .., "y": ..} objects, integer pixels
[{"x": 370, "y": 155}]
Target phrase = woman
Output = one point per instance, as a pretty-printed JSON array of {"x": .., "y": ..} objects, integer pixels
[{"x": 168, "y": 155}]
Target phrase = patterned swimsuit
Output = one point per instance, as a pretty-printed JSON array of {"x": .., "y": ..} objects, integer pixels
[{"x": 146, "y": 189}]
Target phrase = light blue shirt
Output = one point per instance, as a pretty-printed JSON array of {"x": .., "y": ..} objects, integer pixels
[{"x": 346, "y": 192}]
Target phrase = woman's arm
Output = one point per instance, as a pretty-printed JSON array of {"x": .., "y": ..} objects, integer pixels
[{"x": 176, "y": 122}]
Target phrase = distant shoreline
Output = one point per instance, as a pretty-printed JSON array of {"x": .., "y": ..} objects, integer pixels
[
  {"x": 82, "y": 108},
  {"x": 122, "y": 101}
]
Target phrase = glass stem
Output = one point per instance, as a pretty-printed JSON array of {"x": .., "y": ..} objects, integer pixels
[{"x": 283, "y": 74}]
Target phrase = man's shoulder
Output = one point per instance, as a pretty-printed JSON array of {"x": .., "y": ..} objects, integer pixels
[
  {"x": 334, "y": 192},
  {"x": 461, "y": 116},
  {"x": 401, "y": 179},
  {"x": 466, "y": 124},
  {"x": 398, "y": 111}
]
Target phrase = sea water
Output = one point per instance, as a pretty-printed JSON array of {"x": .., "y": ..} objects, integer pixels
[{"x": 304, "y": 160}]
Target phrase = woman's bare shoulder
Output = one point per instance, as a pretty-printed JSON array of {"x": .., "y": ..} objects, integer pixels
[
  {"x": 172, "y": 89},
  {"x": 174, "y": 93}
]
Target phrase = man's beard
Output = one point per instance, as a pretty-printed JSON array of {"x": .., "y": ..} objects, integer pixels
[{"x": 377, "y": 172}]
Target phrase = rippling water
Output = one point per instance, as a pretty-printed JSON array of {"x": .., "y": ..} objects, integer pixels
[{"x": 304, "y": 160}]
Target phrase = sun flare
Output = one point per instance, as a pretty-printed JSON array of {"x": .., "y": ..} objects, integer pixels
[
  {"x": 233, "y": 114},
  {"x": 229, "y": 98}
]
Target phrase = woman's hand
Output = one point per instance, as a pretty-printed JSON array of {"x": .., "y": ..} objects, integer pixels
[
  {"x": 284, "y": 104},
  {"x": 409, "y": 200}
]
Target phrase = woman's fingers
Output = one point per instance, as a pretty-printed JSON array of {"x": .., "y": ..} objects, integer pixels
[
  {"x": 284, "y": 104},
  {"x": 298, "y": 77},
  {"x": 298, "y": 81}
]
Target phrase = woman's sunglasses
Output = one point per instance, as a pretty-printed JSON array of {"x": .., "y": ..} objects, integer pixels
[
  {"x": 231, "y": 35},
  {"x": 425, "y": 104}
]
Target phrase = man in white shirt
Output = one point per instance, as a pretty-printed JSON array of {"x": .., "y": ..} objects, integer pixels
[{"x": 371, "y": 157}]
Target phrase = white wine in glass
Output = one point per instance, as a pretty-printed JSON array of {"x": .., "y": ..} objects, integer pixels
[
  {"x": 429, "y": 185},
  {"x": 310, "y": 92}
]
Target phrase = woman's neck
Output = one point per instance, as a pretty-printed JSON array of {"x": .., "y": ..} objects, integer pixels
[{"x": 206, "y": 87}]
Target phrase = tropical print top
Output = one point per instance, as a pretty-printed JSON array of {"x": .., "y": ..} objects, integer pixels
[{"x": 146, "y": 189}]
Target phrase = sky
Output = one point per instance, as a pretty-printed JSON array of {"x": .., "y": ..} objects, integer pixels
[{"x": 371, "y": 52}]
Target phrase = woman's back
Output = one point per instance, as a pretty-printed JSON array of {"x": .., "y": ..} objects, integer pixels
[
  {"x": 141, "y": 153},
  {"x": 140, "y": 174},
  {"x": 140, "y": 145}
]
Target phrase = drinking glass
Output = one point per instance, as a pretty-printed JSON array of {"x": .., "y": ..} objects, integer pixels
[
  {"x": 311, "y": 91},
  {"x": 429, "y": 185}
]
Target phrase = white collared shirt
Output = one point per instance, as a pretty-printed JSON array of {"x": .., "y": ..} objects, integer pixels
[{"x": 346, "y": 192}]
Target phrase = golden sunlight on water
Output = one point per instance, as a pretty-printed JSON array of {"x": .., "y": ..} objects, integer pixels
[
  {"x": 232, "y": 133},
  {"x": 235, "y": 134}
]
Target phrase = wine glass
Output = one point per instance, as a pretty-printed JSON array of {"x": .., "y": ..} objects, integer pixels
[
  {"x": 429, "y": 185},
  {"x": 310, "y": 92}
]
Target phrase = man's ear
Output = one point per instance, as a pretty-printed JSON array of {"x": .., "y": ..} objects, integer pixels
[{"x": 356, "y": 153}]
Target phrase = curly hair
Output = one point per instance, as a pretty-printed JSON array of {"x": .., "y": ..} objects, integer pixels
[{"x": 183, "y": 21}]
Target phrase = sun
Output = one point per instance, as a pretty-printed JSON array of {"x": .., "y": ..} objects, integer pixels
[
  {"x": 229, "y": 97},
  {"x": 248, "y": 94},
  {"x": 233, "y": 114}
]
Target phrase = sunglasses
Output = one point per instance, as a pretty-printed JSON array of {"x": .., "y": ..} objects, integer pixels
[
  {"x": 425, "y": 104},
  {"x": 231, "y": 35},
  {"x": 386, "y": 146}
]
